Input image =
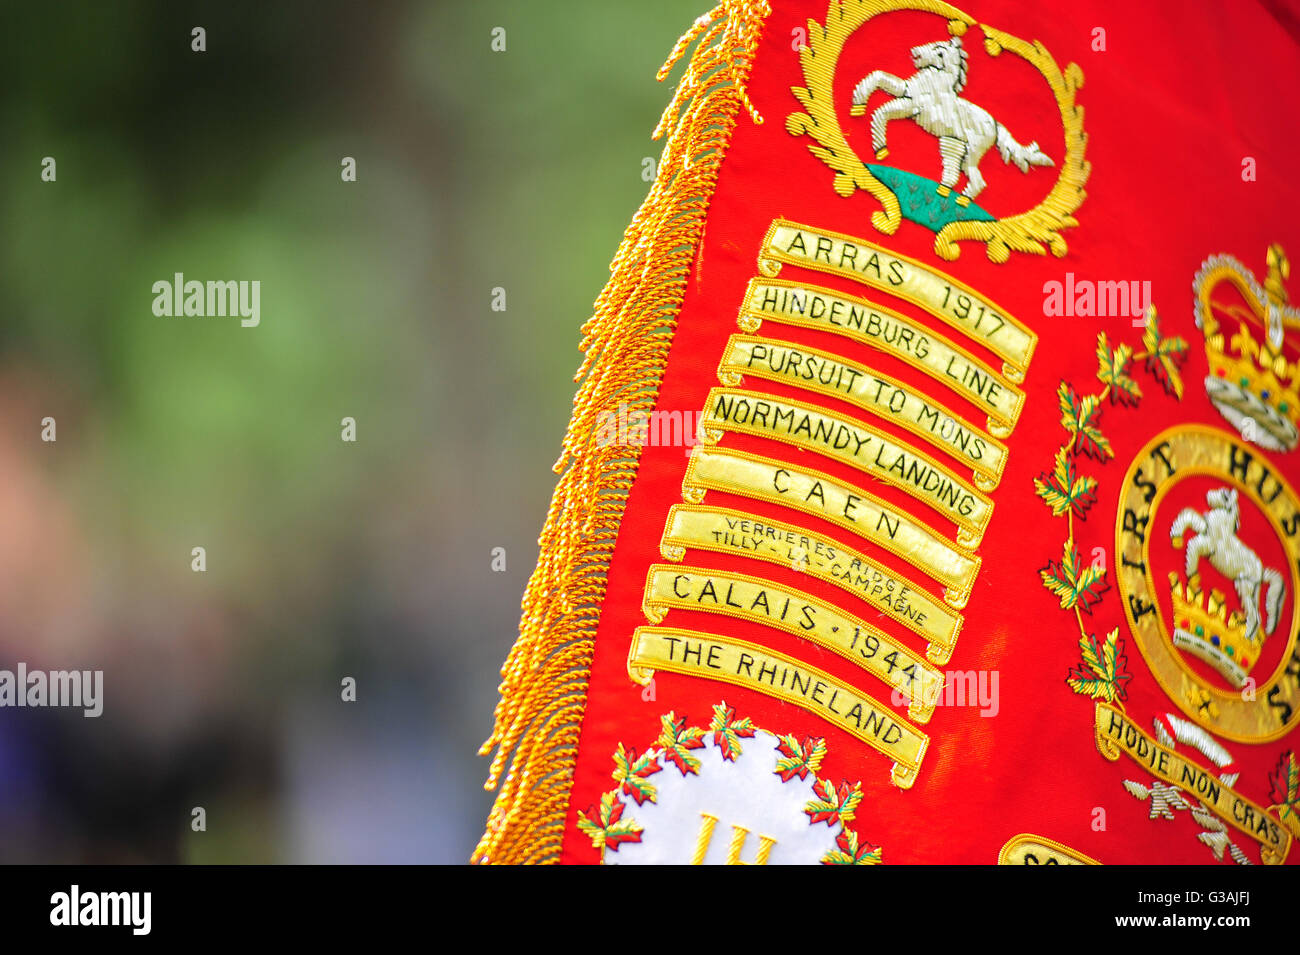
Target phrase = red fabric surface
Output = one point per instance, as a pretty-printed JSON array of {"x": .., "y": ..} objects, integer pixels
[{"x": 1181, "y": 94}]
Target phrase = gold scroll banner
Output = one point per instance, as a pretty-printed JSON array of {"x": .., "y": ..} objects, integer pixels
[
  {"x": 818, "y": 494},
  {"x": 727, "y": 531},
  {"x": 812, "y": 428},
  {"x": 776, "y": 675},
  {"x": 1028, "y": 849},
  {"x": 890, "y": 400},
  {"x": 1116, "y": 733},
  {"x": 761, "y": 601},
  {"x": 944, "y": 297},
  {"x": 810, "y": 306}
]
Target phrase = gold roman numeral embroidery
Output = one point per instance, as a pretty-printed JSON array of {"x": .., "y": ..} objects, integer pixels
[{"x": 738, "y": 836}]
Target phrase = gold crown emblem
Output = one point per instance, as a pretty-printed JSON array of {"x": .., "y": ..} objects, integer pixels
[
  {"x": 1207, "y": 631},
  {"x": 1251, "y": 381}
]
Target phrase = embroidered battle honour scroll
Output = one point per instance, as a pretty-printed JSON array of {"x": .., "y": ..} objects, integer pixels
[{"x": 931, "y": 492}]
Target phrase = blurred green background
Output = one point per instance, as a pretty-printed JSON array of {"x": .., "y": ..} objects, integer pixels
[{"x": 475, "y": 170}]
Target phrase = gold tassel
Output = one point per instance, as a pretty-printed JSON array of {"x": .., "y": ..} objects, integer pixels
[{"x": 625, "y": 343}]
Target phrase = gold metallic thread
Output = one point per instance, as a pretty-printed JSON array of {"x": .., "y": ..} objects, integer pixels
[{"x": 626, "y": 342}]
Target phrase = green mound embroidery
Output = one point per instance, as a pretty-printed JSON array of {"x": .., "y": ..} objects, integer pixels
[{"x": 920, "y": 202}]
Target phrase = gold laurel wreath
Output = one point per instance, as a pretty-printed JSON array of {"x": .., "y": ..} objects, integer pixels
[{"x": 1034, "y": 231}]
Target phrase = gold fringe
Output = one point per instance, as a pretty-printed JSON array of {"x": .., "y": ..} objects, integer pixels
[{"x": 626, "y": 342}]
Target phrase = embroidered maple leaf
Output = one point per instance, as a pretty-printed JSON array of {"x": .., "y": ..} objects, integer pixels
[
  {"x": 608, "y": 829},
  {"x": 1081, "y": 417},
  {"x": 1164, "y": 356},
  {"x": 631, "y": 772},
  {"x": 799, "y": 757},
  {"x": 1104, "y": 670},
  {"x": 849, "y": 852},
  {"x": 728, "y": 731},
  {"x": 1165, "y": 800},
  {"x": 833, "y": 805},
  {"x": 1064, "y": 489},
  {"x": 1077, "y": 584},
  {"x": 1112, "y": 371},
  {"x": 677, "y": 740},
  {"x": 1284, "y": 787}
]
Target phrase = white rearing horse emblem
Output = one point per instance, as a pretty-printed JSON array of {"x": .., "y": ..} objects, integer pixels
[
  {"x": 929, "y": 98},
  {"x": 1216, "y": 539}
]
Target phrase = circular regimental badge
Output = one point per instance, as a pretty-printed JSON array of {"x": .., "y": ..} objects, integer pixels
[{"x": 1207, "y": 548}]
